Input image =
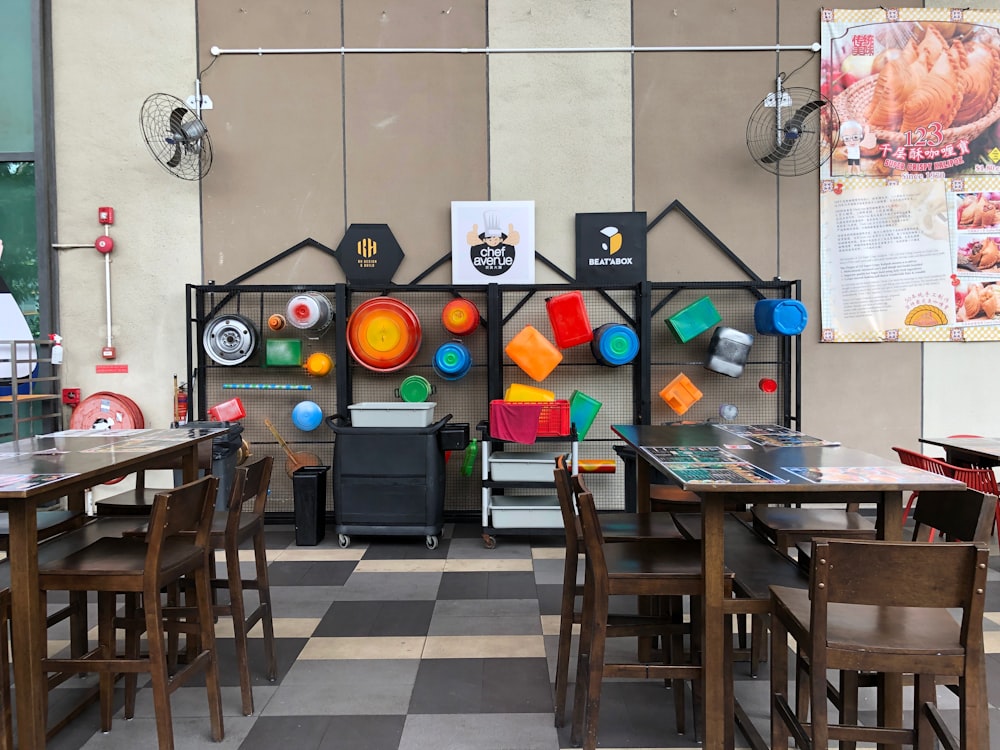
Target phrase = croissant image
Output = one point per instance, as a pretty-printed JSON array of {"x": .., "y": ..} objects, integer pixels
[
  {"x": 988, "y": 214},
  {"x": 973, "y": 306},
  {"x": 936, "y": 97},
  {"x": 989, "y": 301},
  {"x": 989, "y": 256},
  {"x": 980, "y": 81},
  {"x": 970, "y": 211},
  {"x": 934, "y": 82}
]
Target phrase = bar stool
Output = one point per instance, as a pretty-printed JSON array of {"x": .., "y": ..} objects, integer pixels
[
  {"x": 616, "y": 527},
  {"x": 134, "y": 567},
  {"x": 629, "y": 569},
  {"x": 883, "y": 607}
]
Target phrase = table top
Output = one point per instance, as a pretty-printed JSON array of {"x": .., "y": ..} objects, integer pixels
[
  {"x": 768, "y": 458},
  {"x": 71, "y": 458},
  {"x": 987, "y": 447}
]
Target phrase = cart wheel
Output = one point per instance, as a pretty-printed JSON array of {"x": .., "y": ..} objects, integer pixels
[
  {"x": 432, "y": 542},
  {"x": 489, "y": 541},
  {"x": 345, "y": 540}
]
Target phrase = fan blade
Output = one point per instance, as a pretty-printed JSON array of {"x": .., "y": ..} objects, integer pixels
[
  {"x": 176, "y": 158},
  {"x": 176, "y": 118},
  {"x": 793, "y": 129},
  {"x": 802, "y": 113}
]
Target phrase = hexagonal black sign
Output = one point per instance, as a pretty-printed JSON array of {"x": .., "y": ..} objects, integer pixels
[{"x": 369, "y": 254}]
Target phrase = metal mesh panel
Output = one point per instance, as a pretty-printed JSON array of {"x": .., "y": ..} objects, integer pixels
[{"x": 273, "y": 391}]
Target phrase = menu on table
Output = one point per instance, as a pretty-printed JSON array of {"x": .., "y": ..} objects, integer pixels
[
  {"x": 708, "y": 465},
  {"x": 18, "y": 482},
  {"x": 774, "y": 435},
  {"x": 864, "y": 474}
]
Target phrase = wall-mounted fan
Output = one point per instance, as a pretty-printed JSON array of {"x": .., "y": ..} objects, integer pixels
[
  {"x": 176, "y": 136},
  {"x": 792, "y": 131}
]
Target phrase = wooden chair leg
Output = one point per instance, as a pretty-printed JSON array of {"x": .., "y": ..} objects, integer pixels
[
  {"x": 132, "y": 634},
  {"x": 159, "y": 678},
  {"x": 595, "y": 673},
  {"x": 582, "y": 664},
  {"x": 203, "y": 593},
  {"x": 779, "y": 683},
  {"x": 674, "y": 652},
  {"x": 267, "y": 612},
  {"x": 848, "y": 704},
  {"x": 239, "y": 628},
  {"x": 973, "y": 710},
  {"x": 566, "y": 608},
  {"x": 924, "y": 695},
  {"x": 106, "y": 636}
]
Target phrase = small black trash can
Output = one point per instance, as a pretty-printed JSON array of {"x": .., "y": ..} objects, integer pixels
[
  {"x": 309, "y": 494},
  {"x": 225, "y": 450}
]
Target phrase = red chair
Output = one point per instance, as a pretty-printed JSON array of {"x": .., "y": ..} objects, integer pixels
[{"x": 927, "y": 463}]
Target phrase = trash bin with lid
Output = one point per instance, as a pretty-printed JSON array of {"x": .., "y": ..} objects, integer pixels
[
  {"x": 225, "y": 451},
  {"x": 309, "y": 496}
]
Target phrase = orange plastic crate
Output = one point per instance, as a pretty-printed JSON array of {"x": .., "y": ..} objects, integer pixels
[{"x": 553, "y": 420}]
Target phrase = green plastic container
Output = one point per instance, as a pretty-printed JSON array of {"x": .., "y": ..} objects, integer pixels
[
  {"x": 582, "y": 412},
  {"x": 694, "y": 319},
  {"x": 283, "y": 353}
]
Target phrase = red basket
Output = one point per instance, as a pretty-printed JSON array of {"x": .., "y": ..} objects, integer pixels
[{"x": 553, "y": 420}]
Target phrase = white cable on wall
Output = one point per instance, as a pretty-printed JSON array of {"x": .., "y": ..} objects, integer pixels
[{"x": 217, "y": 51}]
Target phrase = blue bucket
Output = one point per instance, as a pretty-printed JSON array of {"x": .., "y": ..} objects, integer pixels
[
  {"x": 780, "y": 317},
  {"x": 452, "y": 360},
  {"x": 614, "y": 344}
]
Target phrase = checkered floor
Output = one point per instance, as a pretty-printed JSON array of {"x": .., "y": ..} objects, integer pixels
[{"x": 389, "y": 645}]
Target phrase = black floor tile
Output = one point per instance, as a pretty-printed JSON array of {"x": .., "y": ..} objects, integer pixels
[
  {"x": 363, "y": 732},
  {"x": 484, "y": 585},
  {"x": 402, "y": 548},
  {"x": 326, "y": 573},
  {"x": 455, "y": 686},
  {"x": 300, "y": 732},
  {"x": 376, "y": 619}
]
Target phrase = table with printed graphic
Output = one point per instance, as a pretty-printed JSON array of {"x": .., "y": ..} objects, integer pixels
[
  {"x": 35, "y": 471},
  {"x": 776, "y": 469}
]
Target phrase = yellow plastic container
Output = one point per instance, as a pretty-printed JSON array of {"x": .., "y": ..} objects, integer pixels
[
  {"x": 527, "y": 393},
  {"x": 533, "y": 353},
  {"x": 680, "y": 393}
]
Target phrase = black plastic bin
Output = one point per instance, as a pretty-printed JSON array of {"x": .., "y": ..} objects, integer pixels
[
  {"x": 309, "y": 495},
  {"x": 225, "y": 450},
  {"x": 388, "y": 480}
]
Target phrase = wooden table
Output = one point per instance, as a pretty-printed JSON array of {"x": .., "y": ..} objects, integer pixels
[
  {"x": 968, "y": 451},
  {"x": 73, "y": 461},
  {"x": 883, "y": 488}
]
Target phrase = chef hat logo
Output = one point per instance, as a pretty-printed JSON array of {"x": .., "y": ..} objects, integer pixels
[{"x": 491, "y": 224}]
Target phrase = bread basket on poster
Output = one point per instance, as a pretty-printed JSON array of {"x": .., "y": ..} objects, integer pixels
[{"x": 854, "y": 101}]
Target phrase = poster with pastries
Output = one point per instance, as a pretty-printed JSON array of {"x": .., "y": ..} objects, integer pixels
[{"x": 910, "y": 231}]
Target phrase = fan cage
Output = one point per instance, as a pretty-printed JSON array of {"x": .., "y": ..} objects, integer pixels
[{"x": 815, "y": 141}]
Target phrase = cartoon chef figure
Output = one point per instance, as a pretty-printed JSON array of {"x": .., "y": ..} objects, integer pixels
[
  {"x": 855, "y": 136},
  {"x": 492, "y": 250}
]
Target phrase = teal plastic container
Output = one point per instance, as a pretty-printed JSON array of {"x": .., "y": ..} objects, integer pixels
[
  {"x": 582, "y": 412},
  {"x": 694, "y": 319},
  {"x": 452, "y": 360},
  {"x": 780, "y": 317}
]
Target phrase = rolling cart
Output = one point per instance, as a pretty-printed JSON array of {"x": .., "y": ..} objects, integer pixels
[{"x": 388, "y": 480}]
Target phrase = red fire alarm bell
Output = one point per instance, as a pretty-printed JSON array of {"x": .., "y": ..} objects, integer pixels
[{"x": 106, "y": 215}]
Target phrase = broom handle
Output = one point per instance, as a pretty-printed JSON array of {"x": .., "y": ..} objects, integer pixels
[{"x": 281, "y": 440}]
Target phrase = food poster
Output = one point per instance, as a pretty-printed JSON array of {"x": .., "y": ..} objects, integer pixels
[{"x": 910, "y": 237}]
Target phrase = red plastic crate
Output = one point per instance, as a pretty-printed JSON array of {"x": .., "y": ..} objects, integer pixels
[{"x": 553, "y": 420}]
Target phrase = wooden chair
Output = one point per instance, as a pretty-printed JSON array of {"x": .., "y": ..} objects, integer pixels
[
  {"x": 629, "y": 569},
  {"x": 615, "y": 527},
  {"x": 175, "y": 546},
  {"x": 244, "y": 521},
  {"x": 883, "y": 607}
]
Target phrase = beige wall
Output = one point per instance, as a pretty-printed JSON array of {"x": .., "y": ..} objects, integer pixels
[{"x": 307, "y": 144}]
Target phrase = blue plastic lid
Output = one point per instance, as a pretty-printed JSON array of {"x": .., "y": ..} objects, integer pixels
[
  {"x": 615, "y": 344},
  {"x": 452, "y": 360}
]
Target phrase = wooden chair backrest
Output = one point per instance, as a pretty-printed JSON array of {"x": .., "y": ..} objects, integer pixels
[
  {"x": 249, "y": 492},
  {"x": 899, "y": 574},
  {"x": 961, "y": 515},
  {"x": 184, "y": 511},
  {"x": 593, "y": 539},
  {"x": 567, "y": 506}
]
